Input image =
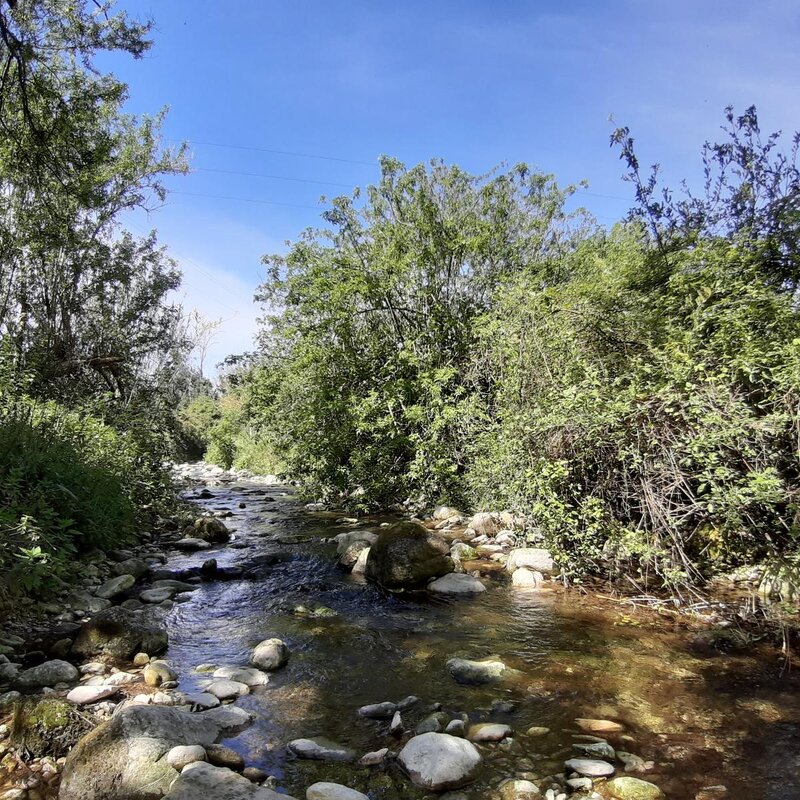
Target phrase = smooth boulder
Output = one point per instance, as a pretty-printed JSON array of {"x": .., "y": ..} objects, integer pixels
[
  {"x": 536, "y": 559},
  {"x": 407, "y": 555},
  {"x": 489, "y": 670},
  {"x": 49, "y": 673},
  {"x": 438, "y": 761},
  {"x": 269, "y": 655}
]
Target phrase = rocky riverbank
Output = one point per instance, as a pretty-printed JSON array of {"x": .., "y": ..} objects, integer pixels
[{"x": 151, "y": 679}]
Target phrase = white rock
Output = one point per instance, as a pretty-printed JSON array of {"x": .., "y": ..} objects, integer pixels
[
  {"x": 83, "y": 695},
  {"x": 523, "y": 578},
  {"x": 227, "y": 690},
  {"x": 246, "y": 675},
  {"x": 332, "y": 791},
  {"x": 185, "y": 754},
  {"x": 439, "y": 761},
  {"x": 489, "y": 732},
  {"x": 589, "y": 767},
  {"x": 534, "y": 558}
]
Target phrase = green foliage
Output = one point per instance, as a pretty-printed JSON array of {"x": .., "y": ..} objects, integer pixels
[
  {"x": 366, "y": 387},
  {"x": 68, "y": 483},
  {"x": 633, "y": 392}
]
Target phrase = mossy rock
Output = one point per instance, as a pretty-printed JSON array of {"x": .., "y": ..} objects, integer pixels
[{"x": 47, "y": 726}]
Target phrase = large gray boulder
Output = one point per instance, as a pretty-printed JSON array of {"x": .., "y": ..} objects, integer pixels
[
  {"x": 120, "y": 633},
  {"x": 47, "y": 674},
  {"x": 438, "y": 761},
  {"x": 202, "y": 780},
  {"x": 126, "y": 756},
  {"x": 408, "y": 555}
]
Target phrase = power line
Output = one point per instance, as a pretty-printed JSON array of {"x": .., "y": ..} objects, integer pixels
[
  {"x": 276, "y": 152},
  {"x": 243, "y": 199},
  {"x": 273, "y": 177}
]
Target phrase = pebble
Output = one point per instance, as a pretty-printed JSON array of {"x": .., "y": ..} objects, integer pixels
[
  {"x": 158, "y": 672},
  {"x": 396, "y": 725}
]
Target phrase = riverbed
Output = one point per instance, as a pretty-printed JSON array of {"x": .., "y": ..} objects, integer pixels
[{"x": 702, "y": 717}]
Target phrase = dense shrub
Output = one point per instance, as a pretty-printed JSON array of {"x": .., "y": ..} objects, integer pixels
[{"x": 68, "y": 483}]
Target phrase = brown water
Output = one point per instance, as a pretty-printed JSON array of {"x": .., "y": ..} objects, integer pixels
[{"x": 703, "y": 718}]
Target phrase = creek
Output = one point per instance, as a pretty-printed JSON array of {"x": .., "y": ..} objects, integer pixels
[{"x": 704, "y": 718}]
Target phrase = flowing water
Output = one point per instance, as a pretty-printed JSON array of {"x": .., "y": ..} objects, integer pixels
[{"x": 702, "y": 717}]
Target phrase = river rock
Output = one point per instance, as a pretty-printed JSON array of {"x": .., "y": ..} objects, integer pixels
[
  {"x": 156, "y": 595},
  {"x": 489, "y": 732},
  {"x": 202, "y": 780},
  {"x": 589, "y": 767},
  {"x": 118, "y": 679},
  {"x": 120, "y": 633},
  {"x": 460, "y": 551},
  {"x": 201, "y": 700},
  {"x": 433, "y": 723},
  {"x": 211, "y": 529},
  {"x": 269, "y": 655},
  {"x": 158, "y": 672},
  {"x": 345, "y": 540},
  {"x": 191, "y": 543},
  {"x": 476, "y": 672},
  {"x": 485, "y": 523},
  {"x": 247, "y": 675},
  {"x": 438, "y": 761},
  {"x": 536, "y": 559},
  {"x": 115, "y": 586},
  {"x": 634, "y": 763},
  {"x": 456, "y": 583},
  {"x": 350, "y": 557},
  {"x": 320, "y": 749},
  {"x": 456, "y": 727},
  {"x": 230, "y": 719},
  {"x": 595, "y": 750},
  {"x": 626, "y": 788},
  {"x": 185, "y": 754},
  {"x": 378, "y": 710},
  {"x": 599, "y": 725},
  {"x": 332, "y": 791},
  {"x": 441, "y": 513},
  {"x": 123, "y": 757},
  {"x": 132, "y": 566},
  {"x": 221, "y": 756},
  {"x": 49, "y": 673},
  {"x": 523, "y": 578},
  {"x": 407, "y": 555},
  {"x": 519, "y": 790},
  {"x": 227, "y": 690},
  {"x": 374, "y": 759},
  {"x": 84, "y": 695}
]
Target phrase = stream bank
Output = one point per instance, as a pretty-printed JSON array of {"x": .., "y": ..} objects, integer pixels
[{"x": 691, "y": 719}]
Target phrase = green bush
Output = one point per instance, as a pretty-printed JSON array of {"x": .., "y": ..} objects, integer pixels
[{"x": 68, "y": 484}]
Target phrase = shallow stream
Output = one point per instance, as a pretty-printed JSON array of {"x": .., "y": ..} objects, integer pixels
[{"x": 704, "y": 718}]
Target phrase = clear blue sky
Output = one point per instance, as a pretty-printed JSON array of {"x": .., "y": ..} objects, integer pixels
[{"x": 475, "y": 83}]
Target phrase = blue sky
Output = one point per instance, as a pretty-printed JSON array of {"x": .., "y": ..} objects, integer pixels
[{"x": 475, "y": 83}]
